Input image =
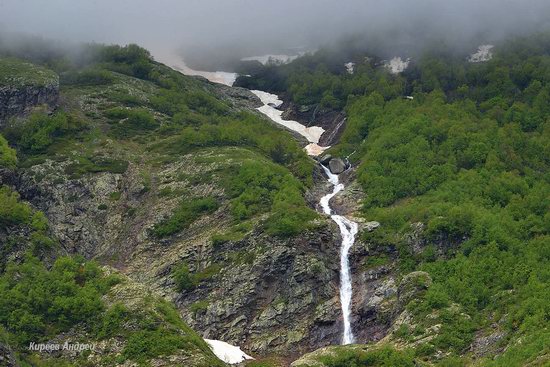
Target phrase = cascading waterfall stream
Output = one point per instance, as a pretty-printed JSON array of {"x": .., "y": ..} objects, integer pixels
[{"x": 348, "y": 230}]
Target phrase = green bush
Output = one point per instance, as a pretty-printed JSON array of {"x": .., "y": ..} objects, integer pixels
[
  {"x": 87, "y": 77},
  {"x": 39, "y": 131},
  {"x": 38, "y": 303},
  {"x": 146, "y": 344},
  {"x": 128, "y": 123},
  {"x": 378, "y": 357},
  {"x": 8, "y": 158},
  {"x": 94, "y": 165},
  {"x": 186, "y": 213},
  {"x": 185, "y": 280}
]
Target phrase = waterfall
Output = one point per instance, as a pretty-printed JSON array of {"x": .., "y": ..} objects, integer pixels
[{"x": 348, "y": 230}]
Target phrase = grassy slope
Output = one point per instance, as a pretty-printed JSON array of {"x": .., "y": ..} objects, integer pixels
[
  {"x": 15, "y": 73},
  {"x": 111, "y": 121}
]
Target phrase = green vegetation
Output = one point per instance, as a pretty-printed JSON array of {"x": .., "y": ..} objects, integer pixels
[
  {"x": 379, "y": 357},
  {"x": 15, "y": 73},
  {"x": 40, "y": 131},
  {"x": 468, "y": 157},
  {"x": 185, "y": 280},
  {"x": 8, "y": 157},
  {"x": 259, "y": 188},
  {"x": 87, "y": 77},
  {"x": 38, "y": 303},
  {"x": 186, "y": 213},
  {"x": 85, "y": 165}
]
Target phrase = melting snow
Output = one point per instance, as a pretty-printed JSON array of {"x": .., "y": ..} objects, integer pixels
[
  {"x": 397, "y": 65},
  {"x": 483, "y": 54},
  {"x": 271, "y": 102},
  {"x": 350, "y": 67},
  {"x": 174, "y": 61},
  {"x": 227, "y": 352}
]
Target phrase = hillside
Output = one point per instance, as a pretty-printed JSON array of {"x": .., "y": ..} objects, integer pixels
[{"x": 143, "y": 210}]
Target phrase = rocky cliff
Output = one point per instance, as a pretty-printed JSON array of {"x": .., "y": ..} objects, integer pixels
[{"x": 24, "y": 86}]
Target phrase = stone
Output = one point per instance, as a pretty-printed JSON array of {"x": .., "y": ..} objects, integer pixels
[
  {"x": 412, "y": 285},
  {"x": 371, "y": 226},
  {"x": 325, "y": 159},
  {"x": 7, "y": 357},
  {"x": 337, "y": 165}
]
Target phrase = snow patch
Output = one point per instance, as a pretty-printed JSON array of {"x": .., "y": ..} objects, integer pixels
[
  {"x": 397, "y": 65},
  {"x": 227, "y": 352},
  {"x": 350, "y": 67},
  {"x": 484, "y": 53},
  {"x": 174, "y": 61},
  {"x": 271, "y": 102}
]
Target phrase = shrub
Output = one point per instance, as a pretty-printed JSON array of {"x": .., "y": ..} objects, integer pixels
[
  {"x": 185, "y": 280},
  {"x": 186, "y": 213},
  {"x": 8, "y": 158},
  {"x": 40, "y": 130},
  {"x": 38, "y": 302},
  {"x": 87, "y": 77}
]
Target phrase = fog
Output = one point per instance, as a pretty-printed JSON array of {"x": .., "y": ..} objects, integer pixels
[{"x": 207, "y": 31}]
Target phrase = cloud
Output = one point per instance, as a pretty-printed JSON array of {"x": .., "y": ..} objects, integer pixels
[{"x": 247, "y": 27}]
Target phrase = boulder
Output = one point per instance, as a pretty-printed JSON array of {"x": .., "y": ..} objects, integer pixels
[
  {"x": 337, "y": 165},
  {"x": 325, "y": 159},
  {"x": 371, "y": 226}
]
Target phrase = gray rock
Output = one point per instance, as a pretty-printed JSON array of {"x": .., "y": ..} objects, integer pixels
[
  {"x": 17, "y": 101},
  {"x": 337, "y": 165},
  {"x": 325, "y": 159},
  {"x": 412, "y": 285},
  {"x": 371, "y": 226},
  {"x": 7, "y": 358}
]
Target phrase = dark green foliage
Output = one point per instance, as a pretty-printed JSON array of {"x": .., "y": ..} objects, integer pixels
[
  {"x": 185, "y": 280},
  {"x": 130, "y": 60},
  {"x": 87, "y": 77},
  {"x": 8, "y": 158},
  {"x": 37, "y": 302},
  {"x": 468, "y": 157},
  {"x": 16, "y": 217},
  {"x": 186, "y": 213},
  {"x": 112, "y": 321},
  {"x": 127, "y": 123},
  {"x": 260, "y": 187},
  {"x": 96, "y": 164},
  {"x": 146, "y": 344},
  {"x": 380, "y": 357},
  {"x": 40, "y": 130}
]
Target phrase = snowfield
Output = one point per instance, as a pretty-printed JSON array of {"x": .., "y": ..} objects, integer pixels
[
  {"x": 227, "y": 352},
  {"x": 484, "y": 53},
  {"x": 176, "y": 62},
  {"x": 397, "y": 65}
]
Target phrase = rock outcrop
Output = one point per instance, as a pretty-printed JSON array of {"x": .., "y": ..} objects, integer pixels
[{"x": 24, "y": 86}]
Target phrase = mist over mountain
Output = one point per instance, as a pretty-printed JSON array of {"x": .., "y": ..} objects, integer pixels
[{"x": 213, "y": 31}]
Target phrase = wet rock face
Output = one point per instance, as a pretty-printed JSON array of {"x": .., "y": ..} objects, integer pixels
[
  {"x": 17, "y": 101},
  {"x": 272, "y": 296}
]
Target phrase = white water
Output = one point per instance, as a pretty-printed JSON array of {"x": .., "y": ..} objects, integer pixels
[
  {"x": 227, "y": 352},
  {"x": 348, "y": 230}
]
